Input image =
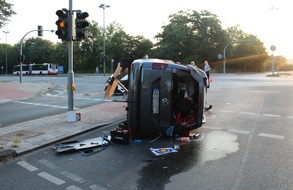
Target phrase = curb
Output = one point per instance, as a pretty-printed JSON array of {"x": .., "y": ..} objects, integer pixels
[{"x": 8, "y": 154}]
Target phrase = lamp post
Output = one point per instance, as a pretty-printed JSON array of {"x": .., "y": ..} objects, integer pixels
[
  {"x": 235, "y": 41},
  {"x": 224, "y": 56},
  {"x": 6, "y": 67},
  {"x": 103, "y": 6}
]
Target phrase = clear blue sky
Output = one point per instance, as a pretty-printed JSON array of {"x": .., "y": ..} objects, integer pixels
[{"x": 271, "y": 25}]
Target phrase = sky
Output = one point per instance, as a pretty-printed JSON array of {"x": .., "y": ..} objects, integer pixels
[{"x": 269, "y": 20}]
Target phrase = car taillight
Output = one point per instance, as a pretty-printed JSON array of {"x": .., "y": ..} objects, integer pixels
[{"x": 159, "y": 66}]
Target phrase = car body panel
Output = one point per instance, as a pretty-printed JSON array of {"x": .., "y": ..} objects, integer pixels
[{"x": 155, "y": 89}]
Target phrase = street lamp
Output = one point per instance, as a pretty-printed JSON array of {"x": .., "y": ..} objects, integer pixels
[
  {"x": 6, "y": 32},
  {"x": 224, "y": 56},
  {"x": 103, "y": 6},
  {"x": 235, "y": 41}
]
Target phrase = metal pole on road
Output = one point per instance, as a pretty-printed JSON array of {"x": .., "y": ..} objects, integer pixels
[
  {"x": 70, "y": 66},
  {"x": 6, "y": 32},
  {"x": 224, "y": 53},
  {"x": 21, "y": 56}
]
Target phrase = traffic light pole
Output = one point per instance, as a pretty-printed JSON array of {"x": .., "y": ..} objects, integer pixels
[
  {"x": 71, "y": 29},
  {"x": 70, "y": 85},
  {"x": 21, "y": 56}
]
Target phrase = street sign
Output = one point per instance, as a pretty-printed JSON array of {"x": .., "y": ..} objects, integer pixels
[{"x": 273, "y": 48}]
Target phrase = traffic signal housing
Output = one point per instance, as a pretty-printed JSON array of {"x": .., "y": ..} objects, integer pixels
[
  {"x": 62, "y": 25},
  {"x": 40, "y": 30},
  {"x": 22, "y": 58},
  {"x": 80, "y": 25}
]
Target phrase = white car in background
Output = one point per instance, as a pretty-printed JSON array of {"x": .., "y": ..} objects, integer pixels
[{"x": 119, "y": 89}]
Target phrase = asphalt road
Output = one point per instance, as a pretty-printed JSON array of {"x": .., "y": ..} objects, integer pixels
[
  {"x": 89, "y": 91},
  {"x": 246, "y": 144}
]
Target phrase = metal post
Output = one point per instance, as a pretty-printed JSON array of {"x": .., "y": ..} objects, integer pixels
[
  {"x": 273, "y": 48},
  {"x": 70, "y": 61},
  {"x": 103, "y": 6},
  {"x": 273, "y": 64},
  {"x": 6, "y": 32},
  {"x": 224, "y": 53},
  {"x": 20, "y": 58},
  {"x": 104, "y": 43},
  {"x": 224, "y": 56}
]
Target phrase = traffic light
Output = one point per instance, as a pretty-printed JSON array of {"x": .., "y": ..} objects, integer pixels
[
  {"x": 104, "y": 57},
  {"x": 62, "y": 23},
  {"x": 22, "y": 58},
  {"x": 80, "y": 25},
  {"x": 40, "y": 30}
]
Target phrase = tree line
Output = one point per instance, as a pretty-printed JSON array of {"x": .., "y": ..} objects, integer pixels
[{"x": 188, "y": 36}]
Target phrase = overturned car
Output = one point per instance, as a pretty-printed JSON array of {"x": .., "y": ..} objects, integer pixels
[{"x": 163, "y": 95}]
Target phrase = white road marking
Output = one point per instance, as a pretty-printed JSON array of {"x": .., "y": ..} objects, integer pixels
[
  {"x": 4, "y": 100},
  {"x": 27, "y": 166},
  {"x": 271, "y": 115},
  {"x": 44, "y": 105},
  {"x": 73, "y": 177},
  {"x": 58, "y": 93},
  {"x": 48, "y": 164},
  {"x": 227, "y": 111},
  {"x": 72, "y": 187},
  {"x": 51, "y": 178},
  {"x": 97, "y": 187},
  {"x": 239, "y": 131},
  {"x": 248, "y": 113},
  {"x": 82, "y": 98},
  {"x": 271, "y": 136},
  {"x": 266, "y": 91},
  {"x": 255, "y": 114}
]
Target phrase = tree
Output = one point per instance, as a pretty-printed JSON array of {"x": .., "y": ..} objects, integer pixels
[
  {"x": 247, "y": 54},
  {"x": 6, "y": 12},
  {"x": 209, "y": 34},
  {"x": 175, "y": 41},
  {"x": 60, "y": 54},
  {"x": 87, "y": 53},
  {"x": 191, "y": 36},
  {"x": 10, "y": 56},
  {"x": 136, "y": 47},
  {"x": 37, "y": 50},
  {"x": 116, "y": 41}
]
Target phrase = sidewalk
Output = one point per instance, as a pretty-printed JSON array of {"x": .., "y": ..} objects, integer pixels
[{"x": 24, "y": 137}]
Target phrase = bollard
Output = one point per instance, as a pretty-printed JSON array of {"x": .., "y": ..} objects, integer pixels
[{"x": 77, "y": 116}]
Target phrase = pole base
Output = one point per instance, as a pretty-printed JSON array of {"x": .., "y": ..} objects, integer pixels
[{"x": 71, "y": 116}]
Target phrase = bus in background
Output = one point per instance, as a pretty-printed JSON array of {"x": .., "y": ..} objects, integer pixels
[
  {"x": 25, "y": 69},
  {"x": 43, "y": 69},
  {"x": 37, "y": 69}
]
